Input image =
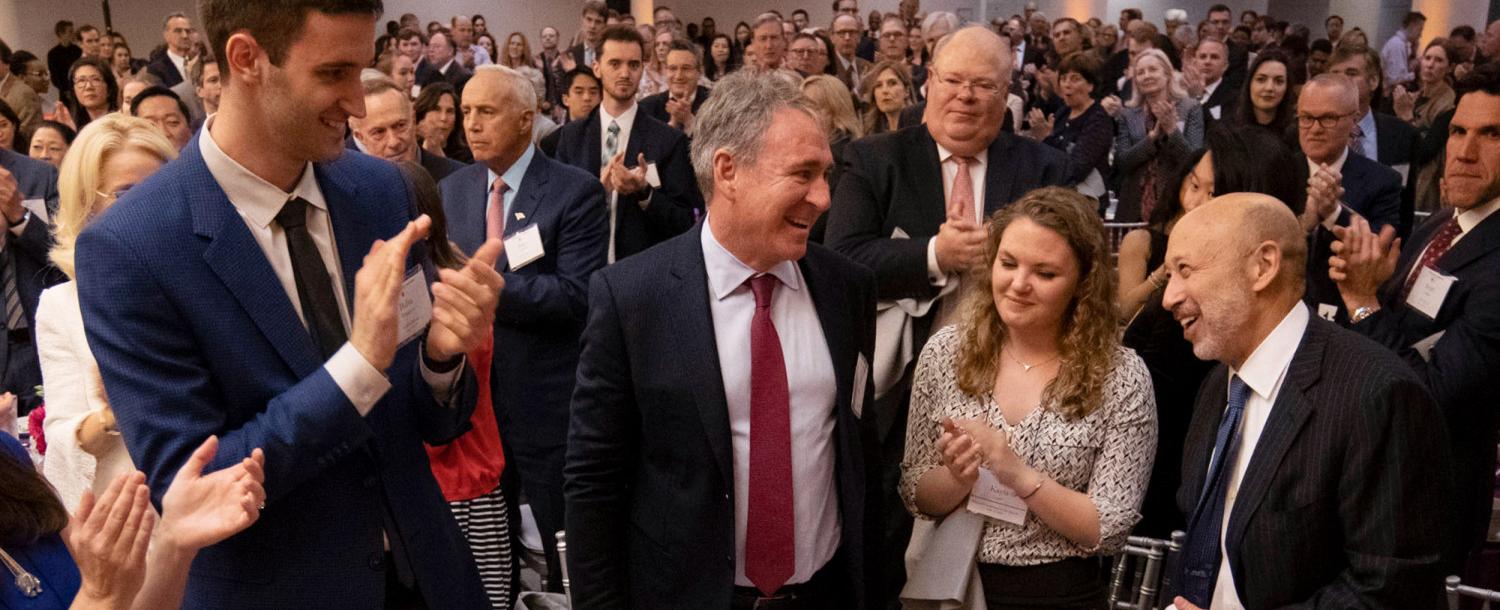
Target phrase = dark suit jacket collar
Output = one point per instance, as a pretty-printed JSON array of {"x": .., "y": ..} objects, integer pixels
[{"x": 921, "y": 159}]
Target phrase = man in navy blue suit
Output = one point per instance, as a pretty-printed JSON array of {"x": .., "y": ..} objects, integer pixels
[
  {"x": 714, "y": 452},
  {"x": 25, "y": 270},
  {"x": 552, "y": 217},
  {"x": 642, "y": 162},
  {"x": 253, "y": 289}
]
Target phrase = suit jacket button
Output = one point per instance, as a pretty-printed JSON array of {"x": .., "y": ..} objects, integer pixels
[{"x": 377, "y": 561}]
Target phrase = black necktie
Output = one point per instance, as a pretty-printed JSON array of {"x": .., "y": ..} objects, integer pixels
[{"x": 314, "y": 287}]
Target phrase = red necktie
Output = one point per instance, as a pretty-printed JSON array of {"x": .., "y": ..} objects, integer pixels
[
  {"x": 961, "y": 196},
  {"x": 1435, "y": 250},
  {"x": 770, "y": 547},
  {"x": 494, "y": 217}
]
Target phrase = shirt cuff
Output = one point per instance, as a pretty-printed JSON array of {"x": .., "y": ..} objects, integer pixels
[
  {"x": 1332, "y": 219},
  {"x": 442, "y": 383},
  {"x": 361, "y": 382},
  {"x": 934, "y": 273}
]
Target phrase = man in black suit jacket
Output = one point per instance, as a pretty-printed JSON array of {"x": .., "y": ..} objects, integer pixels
[
  {"x": 1289, "y": 488},
  {"x": 442, "y": 63},
  {"x": 643, "y": 211},
  {"x": 889, "y": 215},
  {"x": 680, "y": 486},
  {"x": 1438, "y": 305},
  {"x": 591, "y": 26},
  {"x": 24, "y": 264},
  {"x": 1220, "y": 95},
  {"x": 684, "y": 96},
  {"x": 171, "y": 66}
]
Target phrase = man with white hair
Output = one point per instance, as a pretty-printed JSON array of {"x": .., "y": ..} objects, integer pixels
[
  {"x": 680, "y": 487},
  {"x": 388, "y": 128},
  {"x": 911, "y": 205}
]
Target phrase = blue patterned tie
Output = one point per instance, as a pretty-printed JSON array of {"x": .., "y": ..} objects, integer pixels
[
  {"x": 1200, "y": 558},
  {"x": 611, "y": 143}
]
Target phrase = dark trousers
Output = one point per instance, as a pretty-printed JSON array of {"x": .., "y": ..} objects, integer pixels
[
  {"x": 22, "y": 371},
  {"x": 536, "y": 474},
  {"x": 894, "y": 522},
  {"x": 1070, "y": 584},
  {"x": 827, "y": 589}
]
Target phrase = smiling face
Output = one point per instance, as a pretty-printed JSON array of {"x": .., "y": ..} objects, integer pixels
[
  {"x": 682, "y": 73},
  {"x": 307, "y": 101},
  {"x": 966, "y": 91},
  {"x": 1472, "y": 174},
  {"x": 769, "y": 206},
  {"x": 1208, "y": 290},
  {"x": 1034, "y": 278},
  {"x": 1151, "y": 75},
  {"x": 1268, "y": 86}
]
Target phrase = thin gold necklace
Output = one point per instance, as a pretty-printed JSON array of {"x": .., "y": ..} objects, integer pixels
[{"x": 1027, "y": 367}]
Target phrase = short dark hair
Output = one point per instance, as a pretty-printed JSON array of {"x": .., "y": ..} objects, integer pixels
[
  {"x": 447, "y": 36},
  {"x": 1133, "y": 13},
  {"x": 1219, "y": 8},
  {"x": 574, "y": 74},
  {"x": 87, "y": 28},
  {"x": 1465, "y": 32},
  {"x": 62, "y": 26},
  {"x": 158, "y": 91},
  {"x": 408, "y": 33},
  {"x": 679, "y": 44},
  {"x": 9, "y": 114},
  {"x": 1412, "y": 17},
  {"x": 1321, "y": 44},
  {"x": 794, "y": 13},
  {"x": 67, "y": 133},
  {"x": 595, "y": 7},
  {"x": 1331, "y": 18},
  {"x": 273, "y": 23},
  {"x": 19, "y": 59},
  {"x": 620, "y": 33},
  {"x": 195, "y": 70},
  {"x": 1484, "y": 78},
  {"x": 427, "y": 100},
  {"x": 1083, "y": 64}
]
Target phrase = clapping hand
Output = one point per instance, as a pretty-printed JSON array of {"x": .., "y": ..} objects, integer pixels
[
  {"x": 464, "y": 302},
  {"x": 1404, "y": 103},
  {"x": 10, "y": 197},
  {"x": 621, "y": 179},
  {"x": 960, "y": 453},
  {"x": 108, "y": 539},
  {"x": 199, "y": 509},
  {"x": 1041, "y": 124},
  {"x": 1166, "y": 117},
  {"x": 681, "y": 113},
  {"x": 1325, "y": 189},
  {"x": 960, "y": 245},
  {"x": 377, "y": 290},
  {"x": 1111, "y": 105},
  {"x": 994, "y": 443},
  {"x": 1363, "y": 260}
]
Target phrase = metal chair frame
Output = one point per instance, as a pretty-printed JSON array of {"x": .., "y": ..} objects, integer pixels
[
  {"x": 1457, "y": 591},
  {"x": 1140, "y": 587}
]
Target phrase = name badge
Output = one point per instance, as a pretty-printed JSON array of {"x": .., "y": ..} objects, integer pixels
[
  {"x": 993, "y": 499},
  {"x": 523, "y": 247},
  {"x": 38, "y": 208},
  {"x": 1215, "y": 111},
  {"x": 1327, "y": 312},
  {"x": 1428, "y": 293},
  {"x": 416, "y": 305},
  {"x": 653, "y": 178}
]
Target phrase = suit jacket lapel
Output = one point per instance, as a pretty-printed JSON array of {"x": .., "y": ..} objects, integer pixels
[
  {"x": 833, "y": 315},
  {"x": 1410, "y": 256},
  {"x": 926, "y": 172},
  {"x": 1288, "y": 414},
  {"x": 466, "y": 222},
  {"x": 696, "y": 343},
  {"x": 593, "y": 146},
  {"x": 350, "y": 227},
  {"x": 524, "y": 206},
  {"x": 234, "y": 255},
  {"x": 1479, "y": 241},
  {"x": 998, "y": 174}
]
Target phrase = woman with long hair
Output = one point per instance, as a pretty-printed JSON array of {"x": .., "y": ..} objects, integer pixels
[
  {"x": 121, "y": 62},
  {"x": 517, "y": 56},
  {"x": 723, "y": 58},
  {"x": 437, "y": 115},
  {"x": 835, "y": 108},
  {"x": 885, "y": 95},
  {"x": 1433, "y": 97},
  {"x": 654, "y": 73},
  {"x": 95, "y": 93},
  {"x": 1266, "y": 99},
  {"x": 1032, "y": 392},
  {"x": 742, "y": 36},
  {"x": 487, "y": 42},
  {"x": 1158, "y": 126}
]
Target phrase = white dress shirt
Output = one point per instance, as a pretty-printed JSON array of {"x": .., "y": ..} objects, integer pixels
[
  {"x": 1393, "y": 56},
  {"x": 950, "y": 173},
  {"x": 1208, "y": 92},
  {"x": 258, "y": 202},
  {"x": 1263, "y": 372},
  {"x": 811, "y": 389},
  {"x": 179, "y": 61},
  {"x": 626, "y": 121}
]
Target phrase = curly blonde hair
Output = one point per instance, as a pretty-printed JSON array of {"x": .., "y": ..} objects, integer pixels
[{"x": 1090, "y": 339}]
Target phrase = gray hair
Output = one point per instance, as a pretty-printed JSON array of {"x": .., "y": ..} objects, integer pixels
[
  {"x": 765, "y": 18},
  {"x": 737, "y": 116},
  {"x": 1344, "y": 88},
  {"x": 940, "y": 17},
  {"x": 515, "y": 85},
  {"x": 1176, "y": 14}
]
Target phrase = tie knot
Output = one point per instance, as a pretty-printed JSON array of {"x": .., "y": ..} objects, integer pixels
[
  {"x": 614, "y": 128},
  {"x": 763, "y": 286},
  {"x": 293, "y": 213},
  {"x": 1238, "y": 393},
  {"x": 963, "y": 162},
  {"x": 499, "y": 186}
]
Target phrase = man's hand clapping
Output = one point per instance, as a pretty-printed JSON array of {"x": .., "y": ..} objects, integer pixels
[
  {"x": 377, "y": 293},
  {"x": 1362, "y": 261},
  {"x": 625, "y": 180},
  {"x": 464, "y": 302},
  {"x": 960, "y": 245}
]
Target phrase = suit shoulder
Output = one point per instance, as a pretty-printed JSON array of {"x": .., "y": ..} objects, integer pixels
[
  {"x": 1022, "y": 148},
  {"x": 1367, "y": 361},
  {"x": 841, "y": 266},
  {"x": 571, "y": 176},
  {"x": 644, "y": 270},
  {"x": 467, "y": 172},
  {"x": 1374, "y": 170}
]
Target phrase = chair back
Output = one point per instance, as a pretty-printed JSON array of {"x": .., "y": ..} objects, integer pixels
[
  {"x": 1457, "y": 591},
  {"x": 1141, "y": 572}
]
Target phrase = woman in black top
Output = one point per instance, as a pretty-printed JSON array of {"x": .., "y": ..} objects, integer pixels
[
  {"x": 1080, "y": 127},
  {"x": 1266, "y": 99}
]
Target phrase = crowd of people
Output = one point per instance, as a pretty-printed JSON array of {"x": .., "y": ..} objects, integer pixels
[{"x": 309, "y": 308}]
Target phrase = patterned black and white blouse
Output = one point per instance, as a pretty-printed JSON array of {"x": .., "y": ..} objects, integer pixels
[{"x": 1106, "y": 455}]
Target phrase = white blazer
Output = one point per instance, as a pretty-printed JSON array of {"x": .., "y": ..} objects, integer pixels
[{"x": 73, "y": 390}]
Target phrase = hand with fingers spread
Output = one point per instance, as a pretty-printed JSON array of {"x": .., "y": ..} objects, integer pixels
[
  {"x": 960, "y": 245},
  {"x": 961, "y": 454},
  {"x": 1111, "y": 105},
  {"x": 108, "y": 539},
  {"x": 463, "y": 305},
  {"x": 199, "y": 509},
  {"x": 1041, "y": 124},
  {"x": 1362, "y": 261},
  {"x": 377, "y": 293},
  {"x": 627, "y": 180}
]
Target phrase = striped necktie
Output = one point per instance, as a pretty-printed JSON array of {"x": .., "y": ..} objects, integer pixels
[{"x": 15, "y": 316}]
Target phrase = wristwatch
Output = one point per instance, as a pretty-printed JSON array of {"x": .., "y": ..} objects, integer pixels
[{"x": 1361, "y": 313}]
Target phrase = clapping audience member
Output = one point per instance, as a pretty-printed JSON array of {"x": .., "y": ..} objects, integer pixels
[
  {"x": 24, "y": 269},
  {"x": 1266, "y": 100},
  {"x": 885, "y": 93},
  {"x": 1434, "y": 298},
  {"x": 1031, "y": 386},
  {"x": 114, "y": 553},
  {"x": 1378, "y": 135},
  {"x": 759, "y": 457},
  {"x": 1159, "y": 126},
  {"x": 94, "y": 93},
  {"x": 1298, "y": 408},
  {"x": 653, "y": 77},
  {"x": 86, "y": 452},
  {"x": 50, "y": 142},
  {"x": 1422, "y": 107},
  {"x": 1080, "y": 127},
  {"x": 684, "y": 95}
]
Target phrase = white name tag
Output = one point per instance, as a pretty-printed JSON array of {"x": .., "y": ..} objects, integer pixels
[
  {"x": 1327, "y": 312},
  {"x": 38, "y": 208},
  {"x": 993, "y": 499},
  {"x": 1428, "y": 293},
  {"x": 523, "y": 247},
  {"x": 416, "y": 305},
  {"x": 652, "y": 177},
  {"x": 1215, "y": 111}
]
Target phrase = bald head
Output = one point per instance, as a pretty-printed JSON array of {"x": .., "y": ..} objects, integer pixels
[{"x": 1241, "y": 222}]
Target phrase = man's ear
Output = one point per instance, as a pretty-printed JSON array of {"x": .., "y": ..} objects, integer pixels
[
  {"x": 725, "y": 171},
  {"x": 243, "y": 53},
  {"x": 1267, "y": 261}
]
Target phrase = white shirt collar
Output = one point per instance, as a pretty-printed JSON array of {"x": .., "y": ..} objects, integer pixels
[
  {"x": 980, "y": 159},
  {"x": 626, "y": 119},
  {"x": 1470, "y": 218},
  {"x": 1209, "y": 89},
  {"x": 1337, "y": 165},
  {"x": 1265, "y": 367},
  {"x": 513, "y": 174},
  {"x": 257, "y": 200},
  {"x": 726, "y": 273}
]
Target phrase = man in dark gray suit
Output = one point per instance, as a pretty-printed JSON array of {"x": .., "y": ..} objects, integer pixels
[
  {"x": 24, "y": 270},
  {"x": 1323, "y": 480}
]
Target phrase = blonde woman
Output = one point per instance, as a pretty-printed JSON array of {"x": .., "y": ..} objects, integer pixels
[
  {"x": 84, "y": 451},
  {"x": 1157, "y": 128},
  {"x": 1032, "y": 387},
  {"x": 835, "y": 108}
]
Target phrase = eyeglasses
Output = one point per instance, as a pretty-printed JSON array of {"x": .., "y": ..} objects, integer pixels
[
  {"x": 846, "y": 33},
  {"x": 802, "y": 52},
  {"x": 93, "y": 81},
  {"x": 1326, "y": 122},
  {"x": 892, "y": 35},
  {"x": 979, "y": 87}
]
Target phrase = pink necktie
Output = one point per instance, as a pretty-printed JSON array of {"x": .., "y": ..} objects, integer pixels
[
  {"x": 770, "y": 528},
  {"x": 961, "y": 198},
  {"x": 494, "y": 216}
]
